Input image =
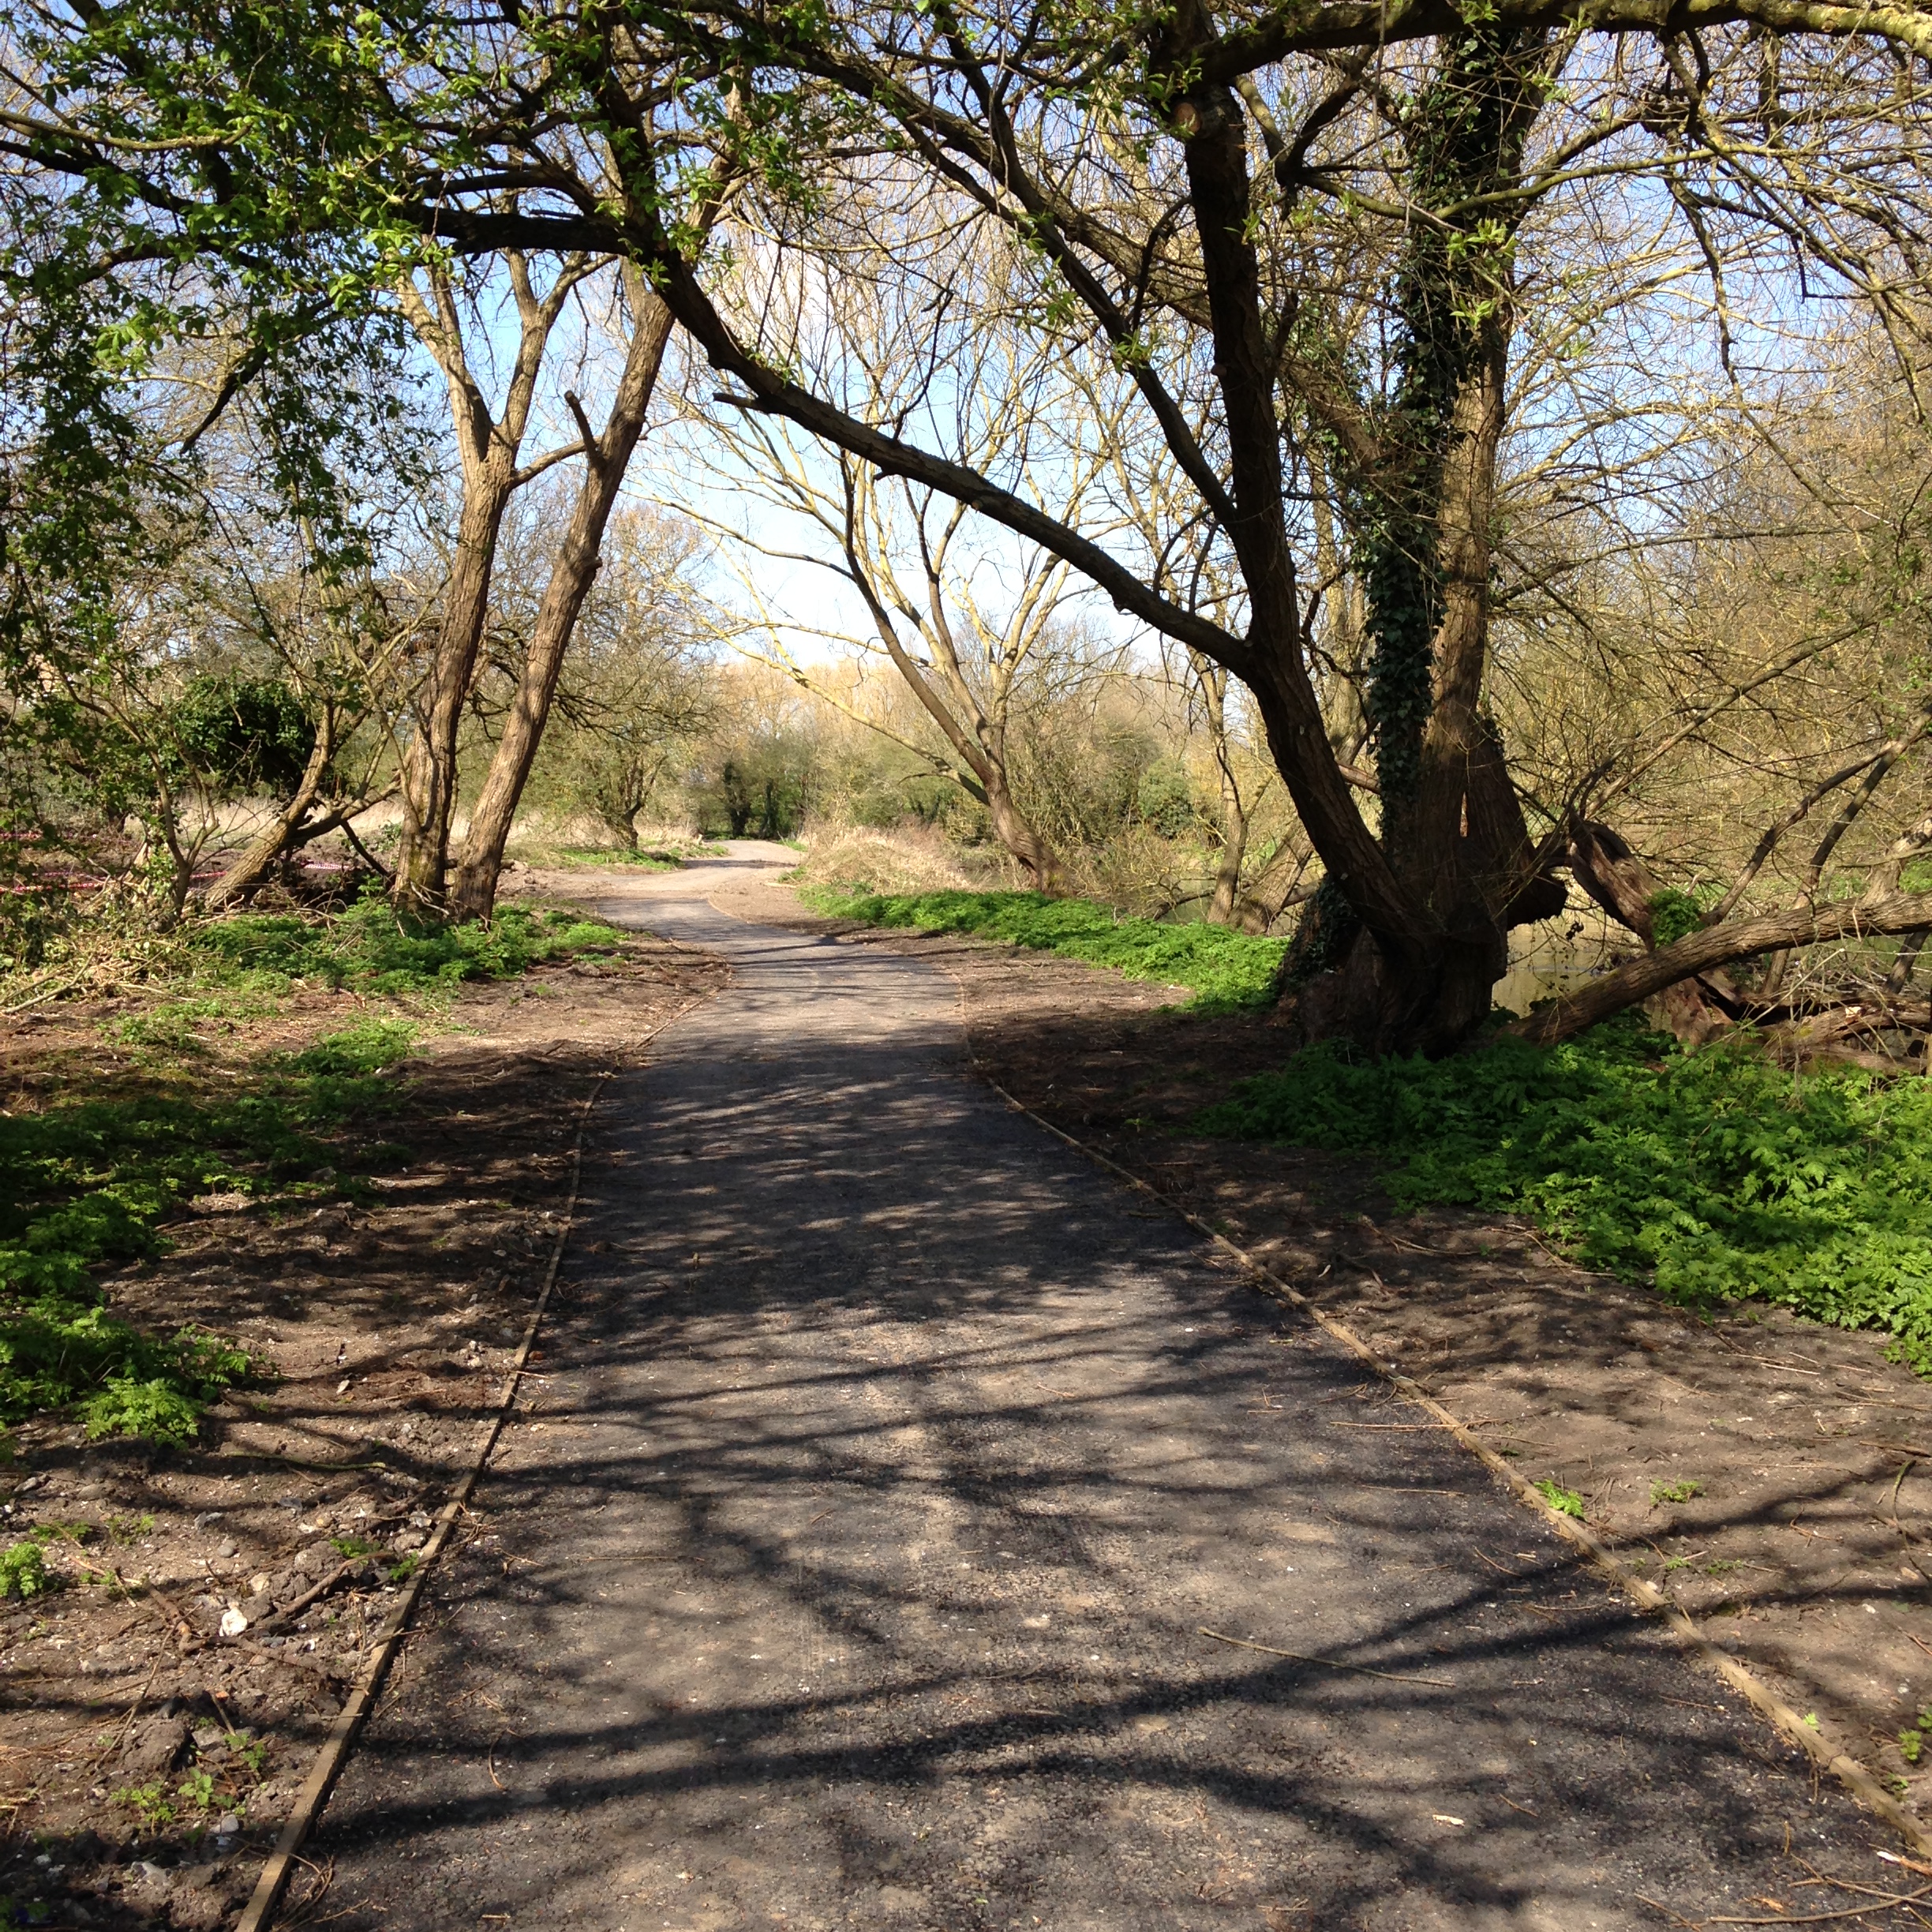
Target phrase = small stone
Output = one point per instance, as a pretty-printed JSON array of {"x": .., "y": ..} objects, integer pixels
[
  {"x": 232, "y": 1623},
  {"x": 207, "y": 1518},
  {"x": 227, "y": 1547},
  {"x": 155, "y": 1746},
  {"x": 226, "y": 1825}
]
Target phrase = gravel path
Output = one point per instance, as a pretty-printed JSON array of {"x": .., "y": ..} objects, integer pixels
[{"x": 853, "y": 1569}]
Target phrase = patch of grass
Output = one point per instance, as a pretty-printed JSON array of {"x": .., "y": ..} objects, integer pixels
[
  {"x": 1225, "y": 970},
  {"x": 1567, "y": 1502},
  {"x": 89, "y": 1185},
  {"x": 1711, "y": 1173},
  {"x": 369, "y": 948},
  {"x": 1663, "y": 1493}
]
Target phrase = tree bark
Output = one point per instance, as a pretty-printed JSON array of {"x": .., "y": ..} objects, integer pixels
[{"x": 608, "y": 456}]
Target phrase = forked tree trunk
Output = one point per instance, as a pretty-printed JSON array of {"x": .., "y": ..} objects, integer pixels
[
  {"x": 1224, "y": 900},
  {"x": 608, "y": 455},
  {"x": 429, "y": 764},
  {"x": 489, "y": 449}
]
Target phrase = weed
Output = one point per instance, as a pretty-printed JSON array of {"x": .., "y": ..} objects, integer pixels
[
  {"x": 1663, "y": 1493},
  {"x": 1911, "y": 1743},
  {"x": 1567, "y": 1502},
  {"x": 1226, "y": 970},
  {"x": 24, "y": 1571},
  {"x": 151, "y": 1802},
  {"x": 349, "y": 1548},
  {"x": 129, "y": 1529},
  {"x": 405, "y": 1567},
  {"x": 1710, "y": 1172},
  {"x": 1723, "y": 1566},
  {"x": 244, "y": 1748},
  {"x": 198, "y": 1789}
]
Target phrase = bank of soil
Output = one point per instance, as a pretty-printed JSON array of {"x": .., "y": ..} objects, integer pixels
[
  {"x": 1773, "y": 1475},
  {"x": 149, "y": 1759}
]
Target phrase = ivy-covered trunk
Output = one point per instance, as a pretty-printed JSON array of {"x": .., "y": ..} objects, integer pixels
[{"x": 1422, "y": 530}]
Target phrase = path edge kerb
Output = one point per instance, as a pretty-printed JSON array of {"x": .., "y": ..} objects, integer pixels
[
  {"x": 259, "y": 1913},
  {"x": 1854, "y": 1776}
]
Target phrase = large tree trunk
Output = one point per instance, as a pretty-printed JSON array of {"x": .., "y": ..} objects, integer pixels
[
  {"x": 608, "y": 455},
  {"x": 1424, "y": 542},
  {"x": 429, "y": 763}
]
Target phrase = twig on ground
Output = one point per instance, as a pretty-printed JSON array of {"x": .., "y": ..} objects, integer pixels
[
  {"x": 302, "y": 1602},
  {"x": 1439, "y": 1683},
  {"x": 1881, "y": 1902}
]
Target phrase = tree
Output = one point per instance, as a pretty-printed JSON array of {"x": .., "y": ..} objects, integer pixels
[{"x": 1188, "y": 190}]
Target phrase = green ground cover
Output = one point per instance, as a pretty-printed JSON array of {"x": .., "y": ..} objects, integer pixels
[
  {"x": 1225, "y": 970},
  {"x": 1711, "y": 1173},
  {"x": 89, "y": 1184}
]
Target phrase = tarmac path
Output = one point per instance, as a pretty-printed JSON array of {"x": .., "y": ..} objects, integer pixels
[{"x": 853, "y": 1572}]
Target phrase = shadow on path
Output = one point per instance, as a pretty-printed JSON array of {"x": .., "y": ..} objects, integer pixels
[{"x": 852, "y": 1569}]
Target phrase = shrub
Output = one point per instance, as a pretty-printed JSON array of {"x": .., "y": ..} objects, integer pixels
[{"x": 1711, "y": 1172}]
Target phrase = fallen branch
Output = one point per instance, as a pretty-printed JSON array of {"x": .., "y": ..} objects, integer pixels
[
  {"x": 302, "y": 1602},
  {"x": 1717, "y": 946}
]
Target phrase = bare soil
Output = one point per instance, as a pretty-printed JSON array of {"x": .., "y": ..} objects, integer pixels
[
  {"x": 148, "y": 1760},
  {"x": 1773, "y": 1474}
]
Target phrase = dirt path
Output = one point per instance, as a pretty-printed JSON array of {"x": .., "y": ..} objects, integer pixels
[{"x": 853, "y": 1568}]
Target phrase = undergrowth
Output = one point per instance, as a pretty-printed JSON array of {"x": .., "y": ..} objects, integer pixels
[
  {"x": 241, "y": 964},
  {"x": 367, "y": 948},
  {"x": 1225, "y": 970},
  {"x": 89, "y": 1185},
  {"x": 1711, "y": 1173}
]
